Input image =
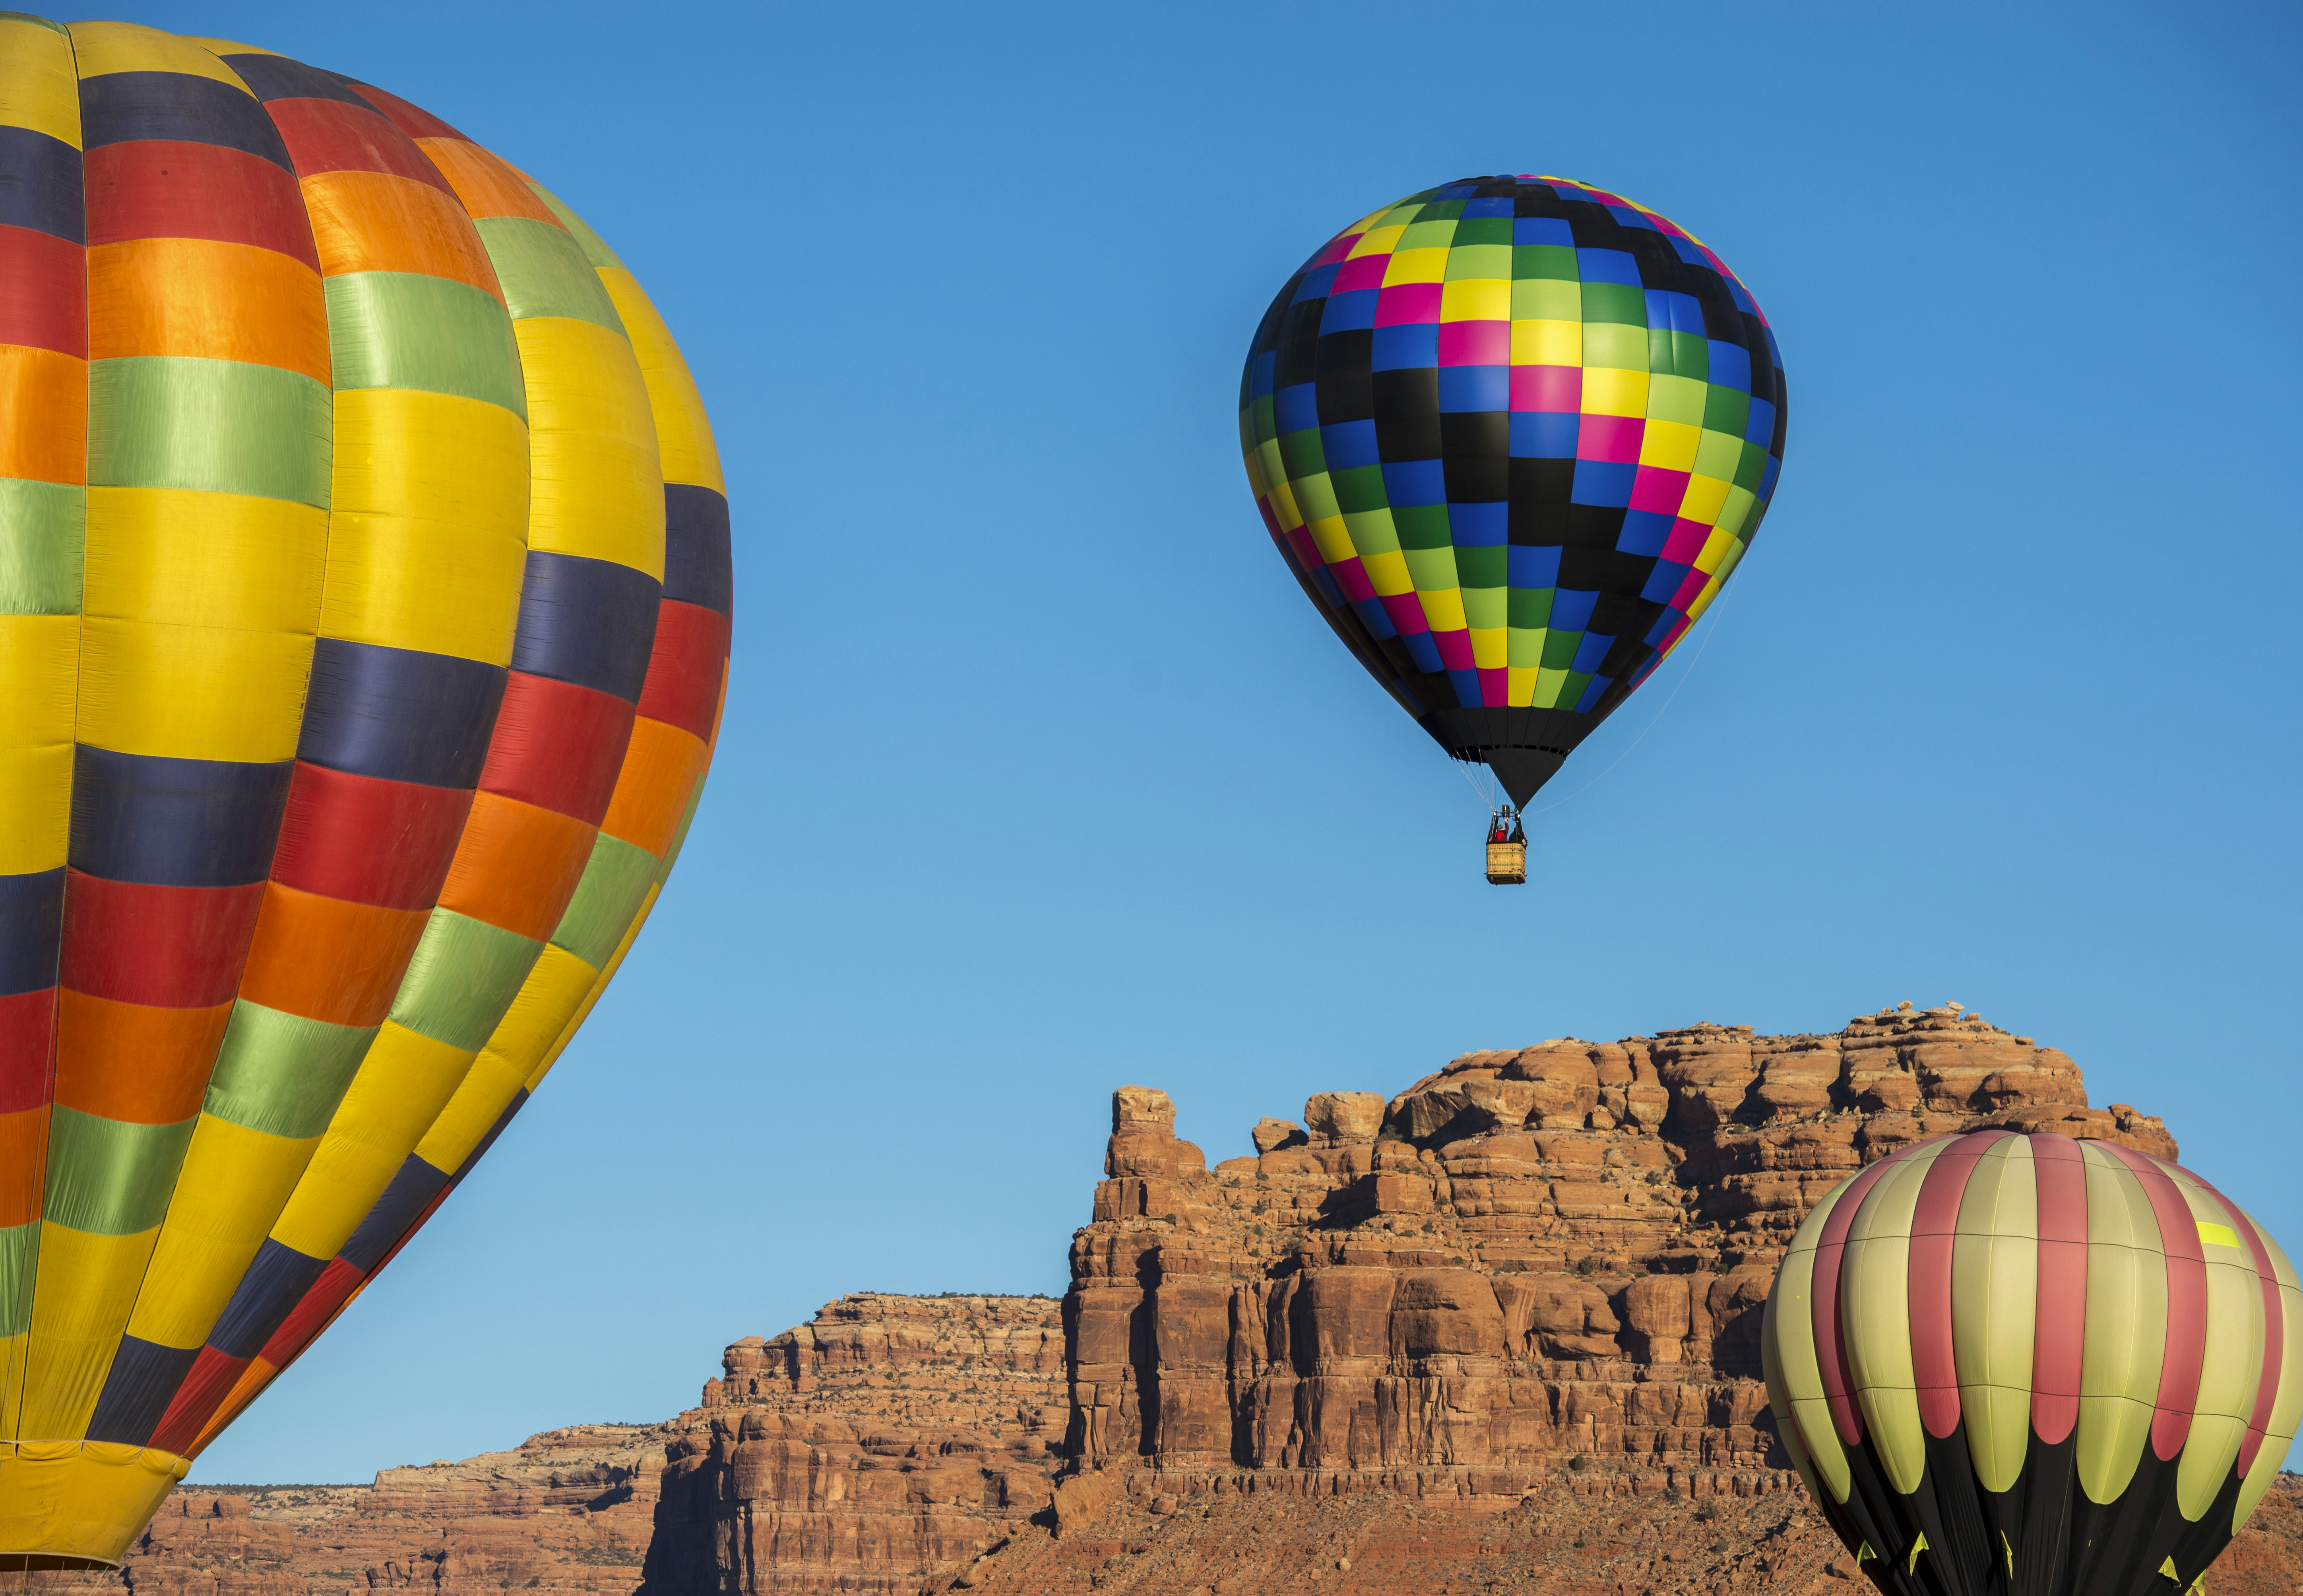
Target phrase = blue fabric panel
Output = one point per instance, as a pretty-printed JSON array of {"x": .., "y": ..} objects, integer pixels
[
  {"x": 1295, "y": 409},
  {"x": 40, "y": 185},
  {"x": 591, "y": 622},
  {"x": 416, "y": 1185},
  {"x": 143, "y": 1379},
  {"x": 698, "y": 566},
  {"x": 1543, "y": 230},
  {"x": 166, "y": 822},
  {"x": 120, "y": 106},
  {"x": 274, "y": 1283},
  {"x": 277, "y": 78},
  {"x": 32, "y": 930},
  {"x": 1351, "y": 311},
  {"x": 1534, "y": 568},
  {"x": 399, "y": 714}
]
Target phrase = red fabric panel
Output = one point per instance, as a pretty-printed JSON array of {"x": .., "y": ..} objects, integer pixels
[
  {"x": 330, "y": 136},
  {"x": 415, "y": 122},
  {"x": 213, "y": 1375},
  {"x": 43, "y": 292},
  {"x": 310, "y": 1315},
  {"x": 557, "y": 746},
  {"x": 2058, "y": 1332},
  {"x": 2186, "y": 1304},
  {"x": 28, "y": 1034},
  {"x": 162, "y": 189},
  {"x": 682, "y": 688},
  {"x": 178, "y": 947},
  {"x": 1830, "y": 1345},
  {"x": 1934, "y": 1225},
  {"x": 366, "y": 840}
]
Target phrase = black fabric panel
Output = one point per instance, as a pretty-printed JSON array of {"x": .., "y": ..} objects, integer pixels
[
  {"x": 118, "y": 107},
  {"x": 277, "y": 77},
  {"x": 143, "y": 1380},
  {"x": 165, "y": 822},
  {"x": 274, "y": 1283},
  {"x": 699, "y": 564},
  {"x": 415, "y": 1185},
  {"x": 399, "y": 714},
  {"x": 31, "y": 930},
  {"x": 591, "y": 622},
  {"x": 40, "y": 185}
]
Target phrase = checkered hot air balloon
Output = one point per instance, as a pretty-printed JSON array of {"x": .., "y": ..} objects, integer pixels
[
  {"x": 2026, "y": 1366},
  {"x": 364, "y": 618},
  {"x": 1511, "y": 435}
]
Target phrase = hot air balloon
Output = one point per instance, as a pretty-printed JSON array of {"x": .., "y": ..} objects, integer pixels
[
  {"x": 1512, "y": 435},
  {"x": 364, "y": 617},
  {"x": 2033, "y": 1366}
]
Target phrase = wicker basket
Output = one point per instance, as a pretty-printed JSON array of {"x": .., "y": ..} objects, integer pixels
[{"x": 1508, "y": 864}]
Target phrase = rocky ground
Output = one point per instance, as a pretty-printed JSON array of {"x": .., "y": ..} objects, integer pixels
[{"x": 1494, "y": 1332}]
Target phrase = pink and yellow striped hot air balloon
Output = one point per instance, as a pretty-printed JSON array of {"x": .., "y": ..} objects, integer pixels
[
  {"x": 363, "y": 616},
  {"x": 2033, "y": 1366}
]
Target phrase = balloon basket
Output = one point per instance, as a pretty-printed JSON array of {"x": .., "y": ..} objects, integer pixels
[{"x": 1508, "y": 864}]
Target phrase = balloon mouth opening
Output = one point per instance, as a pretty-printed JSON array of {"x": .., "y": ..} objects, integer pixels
[
  {"x": 1521, "y": 771},
  {"x": 38, "y": 1562}
]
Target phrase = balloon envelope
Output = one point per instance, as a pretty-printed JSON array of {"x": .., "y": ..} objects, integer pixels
[
  {"x": 364, "y": 615},
  {"x": 1512, "y": 435},
  {"x": 2033, "y": 1366}
]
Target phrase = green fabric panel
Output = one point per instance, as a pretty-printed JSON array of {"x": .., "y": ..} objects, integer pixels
[
  {"x": 222, "y": 426},
  {"x": 108, "y": 1177},
  {"x": 595, "y": 252},
  {"x": 463, "y": 977},
  {"x": 42, "y": 531},
  {"x": 543, "y": 272},
  {"x": 20, "y": 1253},
  {"x": 680, "y": 837},
  {"x": 281, "y": 1073},
  {"x": 614, "y": 882},
  {"x": 404, "y": 330}
]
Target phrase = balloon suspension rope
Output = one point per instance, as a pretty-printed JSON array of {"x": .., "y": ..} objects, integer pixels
[{"x": 1658, "y": 716}]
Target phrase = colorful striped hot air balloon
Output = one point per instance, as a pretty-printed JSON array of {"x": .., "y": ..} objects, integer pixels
[
  {"x": 2032, "y": 1367},
  {"x": 364, "y": 618}
]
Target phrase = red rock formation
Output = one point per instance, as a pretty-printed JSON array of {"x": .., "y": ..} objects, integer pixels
[{"x": 891, "y": 1440}]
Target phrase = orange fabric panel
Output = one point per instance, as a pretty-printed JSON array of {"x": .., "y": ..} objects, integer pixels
[
  {"x": 207, "y": 298},
  {"x": 374, "y": 221},
  {"x": 659, "y": 774},
  {"x": 128, "y": 1060},
  {"x": 327, "y": 959},
  {"x": 516, "y": 865},
  {"x": 43, "y": 414},
  {"x": 484, "y": 182},
  {"x": 23, "y": 1145}
]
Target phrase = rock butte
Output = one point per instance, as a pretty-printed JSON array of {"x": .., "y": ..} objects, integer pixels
[{"x": 1498, "y": 1333}]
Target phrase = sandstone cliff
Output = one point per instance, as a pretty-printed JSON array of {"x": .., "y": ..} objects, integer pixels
[{"x": 1494, "y": 1333}]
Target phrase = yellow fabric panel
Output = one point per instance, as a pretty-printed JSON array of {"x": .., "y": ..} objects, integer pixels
[
  {"x": 486, "y": 1091},
  {"x": 2287, "y": 1406},
  {"x": 599, "y": 984},
  {"x": 80, "y": 1498},
  {"x": 227, "y": 46},
  {"x": 682, "y": 429},
  {"x": 39, "y": 88},
  {"x": 131, "y": 47},
  {"x": 39, "y": 660},
  {"x": 192, "y": 559},
  {"x": 1788, "y": 1328},
  {"x": 198, "y": 693},
  {"x": 428, "y": 537},
  {"x": 555, "y": 990},
  {"x": 2126, "y": 1327},
  {"x": 86, "y": 1289},
  {"x": 13, "y": 1353},
  {"x": 402, "y": 1085},
  {"x": 595, "y": 482},
  {"x": 1994, "y": 1277},
  {"x": 233, "y": 1183},
  {"x": 1875, "y": 1276}
]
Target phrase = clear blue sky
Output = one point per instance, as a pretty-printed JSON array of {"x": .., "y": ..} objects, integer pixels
[{"x": 1040, "y": 777}]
